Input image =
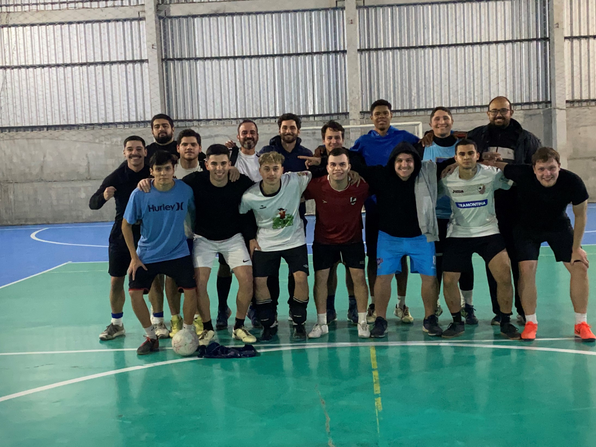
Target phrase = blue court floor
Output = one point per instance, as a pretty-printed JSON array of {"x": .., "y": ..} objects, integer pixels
[{"x": 60, "y": 386}]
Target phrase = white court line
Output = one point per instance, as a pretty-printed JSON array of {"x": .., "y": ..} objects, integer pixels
[
  {"x": 288, "y": 348},
  {"x": 58, "y": 227},
  {"x": 32, "y": 276},
  {"x": 35, "y": 238}
]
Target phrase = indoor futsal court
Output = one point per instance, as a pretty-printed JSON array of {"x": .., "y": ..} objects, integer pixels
[{"x": 61, "y": 386}]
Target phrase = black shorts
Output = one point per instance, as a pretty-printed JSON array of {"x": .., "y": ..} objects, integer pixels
[
  {"x": 440, "y": 244},
  {"x": 325, "y": 256},
  {"x": 118, "y": 254},
  {"x": 266, "y": 263},
  {"x": 371, "y": 230},
  {"x": 180, "y": 270},
  {"x": 527, "y": 243},
  {"x": 457, "y": 256}
]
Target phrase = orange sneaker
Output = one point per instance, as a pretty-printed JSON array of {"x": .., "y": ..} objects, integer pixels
[
  {"x": 583, "y": 331},
  {"x": 529, "y": 332}
]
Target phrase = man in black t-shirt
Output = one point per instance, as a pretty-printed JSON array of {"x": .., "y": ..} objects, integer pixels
[
  {"x": 544, "y": 191},
  {"x": 220, "y": 228},
  {"x": 120, "y": 184}
]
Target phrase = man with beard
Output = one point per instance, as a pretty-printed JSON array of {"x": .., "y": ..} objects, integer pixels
[
  {"x": 505, "y": 136},
  {"x": 162, "y": 128}
]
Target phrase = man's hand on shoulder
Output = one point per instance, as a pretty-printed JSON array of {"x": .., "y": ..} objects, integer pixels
[
  {"x": 145, "y": 184},
  {"x": 234, "y": 174}
]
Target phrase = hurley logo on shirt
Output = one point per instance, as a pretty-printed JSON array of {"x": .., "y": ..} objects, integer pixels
[{"x": 179, "y": 206}]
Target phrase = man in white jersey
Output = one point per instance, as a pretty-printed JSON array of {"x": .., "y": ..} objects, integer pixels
[
  {"x": 275, "y": 202},
  {"x": 473, "y": 228}
]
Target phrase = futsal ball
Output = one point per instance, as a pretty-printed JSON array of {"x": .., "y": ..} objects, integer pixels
[{"x": 185, "y": 343}]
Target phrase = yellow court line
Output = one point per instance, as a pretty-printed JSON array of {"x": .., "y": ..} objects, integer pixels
[{"x": 376, "y": 386}]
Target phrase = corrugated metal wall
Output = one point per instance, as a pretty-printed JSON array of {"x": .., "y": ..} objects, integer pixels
[
  {"x": 255, "y": 65},
  {"x": 171, "y": 2},
  {"x": 580, "y": 46},
  {"x": 48, "y": 5},
  {"x": 461, "y": 54},
  {"x": 73, "y": 73}
]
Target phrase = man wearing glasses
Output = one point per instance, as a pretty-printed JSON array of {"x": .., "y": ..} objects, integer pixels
[{"x": 505, "y": 136}]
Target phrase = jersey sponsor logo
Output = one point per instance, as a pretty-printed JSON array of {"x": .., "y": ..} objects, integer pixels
[
  {"x": 262, "y": 207},
  {"x": 472, "y": 204},
  {"x": 353, "y": 200},
  {"x": 457, "y": 191},
  {"x": 282, "y": 220},
  {"x": 179, "y": 206}
]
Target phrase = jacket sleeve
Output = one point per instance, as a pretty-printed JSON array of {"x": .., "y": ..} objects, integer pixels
[
  {"x": 532, "y": 144},
  {"x": 249, "y": 225},
  {"x": 97, "y": 200}
]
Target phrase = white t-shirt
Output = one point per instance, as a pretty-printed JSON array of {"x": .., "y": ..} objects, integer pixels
[
  {"x": 181, "y": 172},
  {"x": 473, "y": 201},
  {"x": 278, "y": 219},
  {"x": 249, "y": 166}
]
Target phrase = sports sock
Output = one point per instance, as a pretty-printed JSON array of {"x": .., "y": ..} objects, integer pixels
[
  {"x": 330, "y": 302},
  {"x": 157, "y": 317},
  {"x": 580, "y": 318},
  {"x": 401, "y": 301},
  {"x": 207, "y": 325},
  {"x": 224, "y": 283},
  {"x": 505, "y": 318},
  {"x": 188, "y": 327},
  {"x": 322, "y": 319},
  {"x": 456, "y": 317},
  {"x": 239, "y": 323},
  {"x": 467, "y": 294},
  {"x": 176, "y": 316},
  {"x": 117, "y": 319},
  {"x": 372, "y": 299},
  {"x": 532, "y": 319},
  {"x": 361, "y": 317},
  {"x": 150, "y": 331}
]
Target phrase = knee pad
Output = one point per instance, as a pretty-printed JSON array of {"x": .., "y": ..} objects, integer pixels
[
  {"x": 298, "y": 310},
  {"x": 266, "y": 313}
]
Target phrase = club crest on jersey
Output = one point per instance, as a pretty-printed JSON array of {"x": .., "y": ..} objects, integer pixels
[
  {"x": 352, "y": 200},
  {"x": 282, "y": 219},
  {"x": 481, "y": 189}
]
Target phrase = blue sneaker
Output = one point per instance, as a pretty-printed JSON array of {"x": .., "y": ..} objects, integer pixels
[{"x": 353, "y": 311}]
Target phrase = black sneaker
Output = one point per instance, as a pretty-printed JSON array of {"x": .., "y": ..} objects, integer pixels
[
  {"x": 379, "y": 330},
  {"x": 510, "y": 331},
  {"x": 149, "y": 345},
  {"x": 299, "y": 332},
  {"x": 331, "y": 316},
  {"x": 496, "y": 320},
  {"x": 470, "y": 316},
  {"x": 431, "y": 326},
  {"x": 222, "y": 319},
  {"x": 454, "y": 330},
  {"x": 268, "y": 333},
  {"x": 353, "y": 311}
]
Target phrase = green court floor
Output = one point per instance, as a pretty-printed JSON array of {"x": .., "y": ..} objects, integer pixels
[{"x": 60, "y": 386}]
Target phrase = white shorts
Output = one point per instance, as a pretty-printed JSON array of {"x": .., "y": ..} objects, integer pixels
[{"x": 233, "y": 250}]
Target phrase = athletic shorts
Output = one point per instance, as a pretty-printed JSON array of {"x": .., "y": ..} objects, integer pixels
[
  {"x": 440, "y": 244},
  {"x": 118, "y": 254},
  {"x": 459, "y": 250},
  {"x": 325, "y": 256},
  {"x": 390, "y": 251},
  {"x": 180, "y": 270},
  {"x": 266, "y": 263},
  {"x": 233, "y": 251},
  {"x": 527, "y": 243}
]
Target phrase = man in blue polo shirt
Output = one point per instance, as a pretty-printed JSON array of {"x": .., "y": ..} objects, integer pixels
[{"x": 376, "y": 147}]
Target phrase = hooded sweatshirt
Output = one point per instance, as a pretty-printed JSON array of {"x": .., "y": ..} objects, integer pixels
[{"x": 406, "y": 207}]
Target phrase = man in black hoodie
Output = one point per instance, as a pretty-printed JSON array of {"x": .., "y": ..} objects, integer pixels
[{"x": 515, "y": 145}]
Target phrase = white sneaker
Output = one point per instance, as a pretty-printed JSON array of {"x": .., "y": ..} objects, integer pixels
[
  {"x": 112, "y": 331},
  {"x": 161, "y": 330},
  {"x": 363, "y": 330},
  {"x": 205, "y": 337},
  {"x": 403, "y": 314},
  {"x": 243, "y": 335},
  {"x": 318, "y": 330}
]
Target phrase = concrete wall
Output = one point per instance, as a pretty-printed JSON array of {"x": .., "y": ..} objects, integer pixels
[{"x": 48, "y": 177}]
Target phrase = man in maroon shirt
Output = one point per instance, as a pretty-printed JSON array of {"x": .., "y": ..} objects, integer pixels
[{"x": 338, "y": 236}]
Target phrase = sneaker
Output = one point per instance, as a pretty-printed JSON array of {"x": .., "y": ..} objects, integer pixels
[
  {"x": 521, "y": 319},
  {"x": 161, "y": 330},
  {"x": 454, "y": 330},
  {"x": 529, "y": 332},
  {"x": 510, "y": 331},
  {"x": 112, "y": 331},
  {"x": 583, "y": 331},
  {"x": 331, "y": 316},
  {"x": 363, "y": 330},
  {"x": 149, "y": 345},
  {"x": 299, "y": 332},
  {"x": 268, "y": 333},
  {"x": 318, "y": 330},
  {"x": 379, "y": 330},
  {"x": 353, "y": 311},
  {"x": 205, "y": 337},
  {"x": 222, "y": 319},
  {"x": 198, "y": 324},
  {"x": 403, "y": 314},
  {"x": 468, "y": 313},
  {"x": 371, "y": 315},
  {"x": 438, "y": 310},
  {"x": 252, "y": 315},
  {"x": 496, "y": 321},
  {"x": 243, "y": 335},
  {"x": 431, "y": 326},
  {"x": 176, "y": 325}
]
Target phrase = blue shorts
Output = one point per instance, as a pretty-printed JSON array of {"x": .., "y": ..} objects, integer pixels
[{"x": 391, "y": 249}]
